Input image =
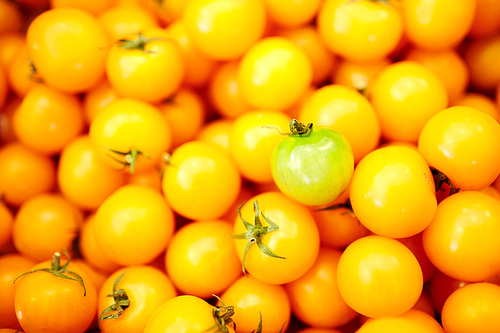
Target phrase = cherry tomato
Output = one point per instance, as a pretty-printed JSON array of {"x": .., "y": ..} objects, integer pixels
[
  {"x": 96, "y": 99},
  {"x": 480, "y": 58},
  {"x": 449, "y": 142},
  {"x": 187, "y": 313},
  {"x": 292, "y": 13},
  {"x": 224, "y": 30},
  {"x": 93, "y": 6},
  {"x": 313, "y": 165},
  {"x": 45, "y": 301},
  {"x": 68, "y": 48},
  {"x": 485, "y": 22},
  {"x": 413, "y": 321},
  {"x": 254, "y": 301},
  {"x": 315, "y": 296},
  {"x": 481, "y": 102},
  {"x": 392, "y": 192},
  {"x": 10, "y": 17},
  {"x": 462, "y": 221},
  {"x": 274, "y": 73},
  {"x": 203, "y": 249},
  {"x": 130, "y": 133},
  {"x": 216, "y": 132},
  {"x": 285, "y": 228},
  {"x": 379, "y": 277},
  {"x": 144, "y": 287},
  {"x": 473, "y": 308},
  {"x": 133, "y": 225},
  {"x": 200, "y": 181},
  {"x": 6, "y": 223}
]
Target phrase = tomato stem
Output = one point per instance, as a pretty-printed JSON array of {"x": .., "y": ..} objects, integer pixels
[
  {"x": 440, "y": 179},
  {"x": 121, "y": 303},
  {"x": 222, "y": 317},
  {"x": 255, "y": 232},
  {"x": 130, "y": 157},
  {"x": 300, "y": 129},
  {"x": 138, "y": 44},
  {"x": 58, "y": 271}
]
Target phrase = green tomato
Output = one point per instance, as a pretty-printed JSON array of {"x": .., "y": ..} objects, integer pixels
[{"x": 312, "y": 167}]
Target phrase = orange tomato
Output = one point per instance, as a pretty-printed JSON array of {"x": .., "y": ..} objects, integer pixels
[
  {"x": 11, "y": 43},
  {"x": 360, "y": 31},
  {"x": 6, "y": 223},
  {"x": 379, "y": 277},
  {"x": 185, "y": 113},
  {"x": 345, "y": 110},
  {"x": 96, "y": 99},
  {"x": 47, "y": 119},
  {"x": 480, "y": 56},
  {"x": 6, "y": 127},
  {"x": 93, "y": 6},
  {"x": 44, "y": 224},
  {"x": 121, "y": 20},
  {"x": 450, "y": 242},
  {"x": 413, "y": 321},
  {"x": 151, "y": 178},
  {"x": 200, "y": 181},
  {"x": 11, "y": 266},
  {"x": 82, "y": 177},
  {"x": 437, "y": 24},
  {"x": 254, "y": 300},
  {"x": 137, "y": 65},
  {"x": 72, "y": 58},
  {"x": 481, "y": 102},
  {"x": 357, "y": 76},
  {"x": 449, "y": 142},
  {"x": 10, "y": 17},
  {"x": 485, "y": 22},
  {"x": 416, "y": 246},
  {"x": 217, "y": 132},
  {"x": 224, "y": 30},
  {"x": 133, "y": 225},
  {"x": 24, "y": 173},
  {"x": 292, "y": 13},
  {"x": 315, "y": 296},
  {"x": 405, "y": 95},
  {"x": 21, "y": 73},
  {"x": 4, "y": 87}
]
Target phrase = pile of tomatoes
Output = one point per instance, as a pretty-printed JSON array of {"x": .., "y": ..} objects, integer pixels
[{"x": 312, "y": 166}]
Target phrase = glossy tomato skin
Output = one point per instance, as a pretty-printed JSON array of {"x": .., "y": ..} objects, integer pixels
[
  {"x": 413, "y": 321},
  {"x": 185, "y": 313},
  {"x": 313, "y": 169},
  {"x": 297, "y": 239},
  {"x": 147, "y": 289}
]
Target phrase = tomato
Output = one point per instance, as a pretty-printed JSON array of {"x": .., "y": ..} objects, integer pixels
[
  {"x": 308, "y": 39},
  {"x": 425, "y": 304},
  {"x": 473, "y": 308},
  {"x": 130, "y": 133},
  {"x": 480, "y": 58},
  {"x": 133, "y": 225},
  {"x": 44, "y": 301},
  {"x": 481, "y": 102},
  {"x": 166, "y": 10},
  {"x": 441, "y": 286},
  {"x": 145, "y": 288},
  {"x": 225, "y": 93},
  {"x": 10, "y": 17},
  {"x": 138, "y": 64},
  {"x": 274, "y": 73},
  {"x": 45, "y": 223},
  {"x": 198, "y": 67},
  {"x": 68, "y": 48},
  {"x": 361, "y": 31},
  {"x": 90, "y": 251},
  {"x": 253, "y": 137},
  {"x": 6, "y": 127},
  {"x": 121, "y": 20},
  {"x": 224, "y": 30},
  {"x": 357, "y": 76},
  {"x": 462, "y": 221},
  {"x": 313, "y": 165},
  {"x": 448, "y": 66},
  {"x": 437, "y": 24},
  {"x": 346, "y": 111},
  {"x": 392, "y": 192},
  {"x": 47, "y": 119},
  {"x": 4, "y": 88},
  {"x": 449, "y": 142},
  {"x": 379, "y": 277},
  {"x": 11, "y": 266},
  {"x": 21, "y": 73},
  {"x": 24, "y": 173},
  {"x": 485, "y": 22},
  {"x": 315, "y": 296},
  {"x": 292, "y": 13},
  {"x": 288, "y": 231},
  {"x": 150, "y": 178},
  {"x": 405, "y": 95},
  {"x": 200, "y": 181},
  {"x": 413, "y": 321},
  {"x": 82, "y": 177},
  {"x": 254, "y": 301},
  {"x": 187, "y": 313},
  {"x": 217, "y": 132},
  {"x": 203, "y": 249},
  {"x": 11, "y": 43},
  {"x": 6, "y": 223},
  {"x": 185, "y": 112},
  {"x": 94, "y": 6},
  {"x": 96, "y": 99},
  {"x": 416, "y": 246}
]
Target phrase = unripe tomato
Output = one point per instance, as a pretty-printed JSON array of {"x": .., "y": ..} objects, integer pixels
[{"x": 312, "y": 166}]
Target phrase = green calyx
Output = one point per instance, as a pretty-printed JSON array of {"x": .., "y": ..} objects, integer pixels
[
  {"x": 116, "y": 309},
  {"x": 137, "y": 44},
  {"x": 300, "y": 129},
  {"x": 222, "y": 316},
  {"x": 440, "y": 180},
  {"x": 255, "y": 232},
  {"x": 129, "y": 156},
  {"x": 60, "y": 271}
]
